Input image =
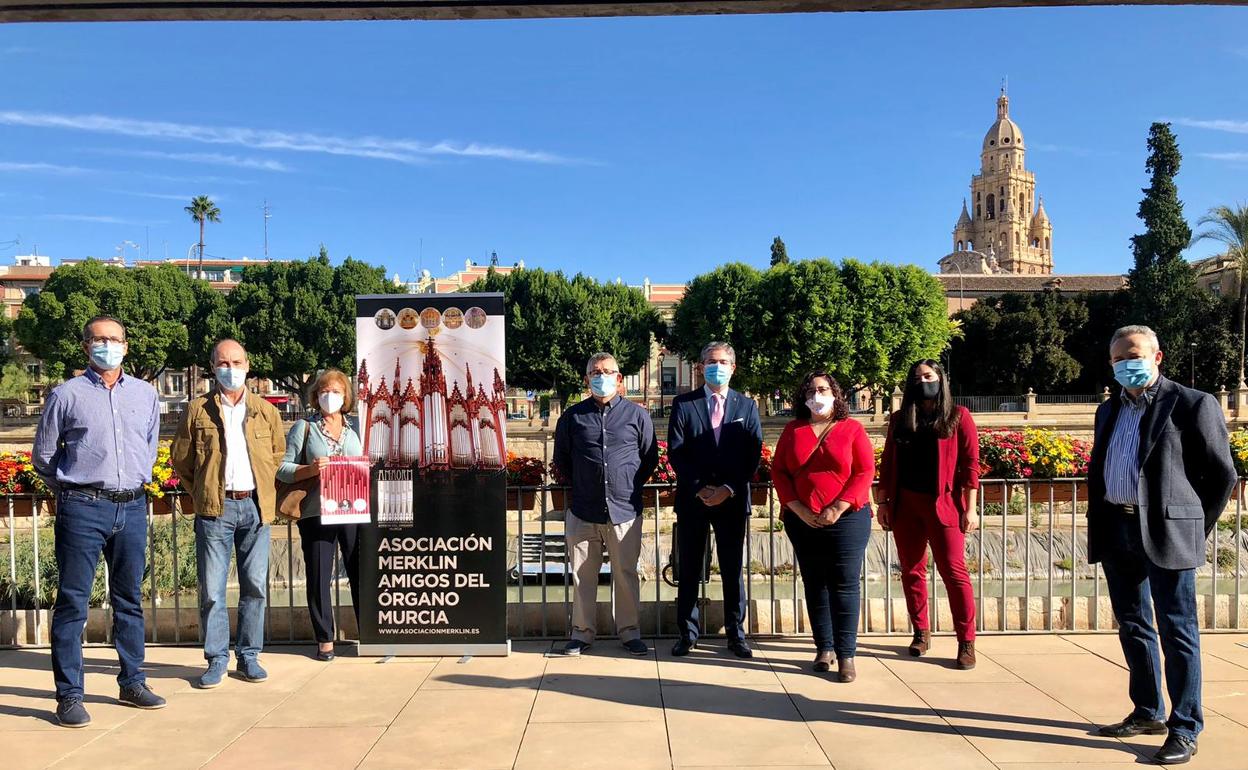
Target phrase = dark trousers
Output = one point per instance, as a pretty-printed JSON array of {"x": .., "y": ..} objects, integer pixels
[
  {"x": 86, "y": 527},
  {"x": 1136, "y": 585},
  {"x": 830, "y": 559},
  {"x": 319, "y": 542},
  {"x": 693, "y": 525},
  {"x": 915, "y": 526}
]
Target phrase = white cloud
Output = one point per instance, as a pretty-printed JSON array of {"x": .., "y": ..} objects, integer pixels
[
  {"x": 94, "y": 219},
  {"x": 165, "y": 196},
  {"x": 1229, "y": 126},
  {"x": 211, "y": 158},
  {"x": 380, "y": 148},
  {"x": 43, "y": 168},
  {"x": 1229, "y": 157}
]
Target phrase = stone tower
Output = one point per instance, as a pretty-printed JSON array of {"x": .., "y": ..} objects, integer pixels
[{"x": 1003, "y": 228}]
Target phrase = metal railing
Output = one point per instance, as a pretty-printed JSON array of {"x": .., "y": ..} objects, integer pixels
[
  {"x": 1016, "y": 403},
  {"x": 1027, "y": 561}
]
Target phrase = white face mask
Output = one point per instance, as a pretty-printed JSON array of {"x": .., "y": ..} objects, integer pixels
[
  {"x": 820, "y": 405},
  {"x": 330, "y": 403}
]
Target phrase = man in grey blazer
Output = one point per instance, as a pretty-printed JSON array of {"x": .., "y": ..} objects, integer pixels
[{"x": 1160, "y": 475}]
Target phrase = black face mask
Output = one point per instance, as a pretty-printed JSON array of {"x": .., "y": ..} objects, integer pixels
[{"x": 928, "y": 390}]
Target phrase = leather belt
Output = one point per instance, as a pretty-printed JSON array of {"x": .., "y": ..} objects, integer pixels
[
  {"x": 112, "y": 495},
  {"x": 1129, "y": 510},
  {"x": 237, "y": 495}
]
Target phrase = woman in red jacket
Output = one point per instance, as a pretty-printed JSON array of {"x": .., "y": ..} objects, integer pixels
[
  {"x": 822, "y": 470},
  {"x": 929, "y": 482}
]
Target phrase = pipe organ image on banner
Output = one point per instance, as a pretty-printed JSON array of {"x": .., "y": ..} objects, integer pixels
[{"x": 432, "y": 411}]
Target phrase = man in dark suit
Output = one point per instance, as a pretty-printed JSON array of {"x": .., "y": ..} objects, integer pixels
[
  {"x": 1160, "y": 476},
  {"x": 714, "y": 441}
]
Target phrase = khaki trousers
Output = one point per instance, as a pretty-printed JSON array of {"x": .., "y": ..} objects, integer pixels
[{"x": 585, "y": 542}]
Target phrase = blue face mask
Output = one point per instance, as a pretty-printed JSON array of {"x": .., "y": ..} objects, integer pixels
[
  {"x": 603, "y": 385},
  {"x": 1133, "y": 373},
  {"x": 231, "y": 379},
  {"x": 108, "y": 355},
  {"x": 718, "y": 374}
]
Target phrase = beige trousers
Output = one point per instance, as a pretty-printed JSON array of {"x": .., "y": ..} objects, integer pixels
[{"x": 585, "y": 542}]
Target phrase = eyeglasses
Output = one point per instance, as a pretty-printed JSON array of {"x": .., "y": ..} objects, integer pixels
[
  {"x": 607, "y": 372},
  {"x": 104, "y": 340},
  {"x": 822, "y": 390}
]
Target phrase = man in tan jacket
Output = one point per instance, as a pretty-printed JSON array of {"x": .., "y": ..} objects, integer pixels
[{"x": 226, "y": 453}]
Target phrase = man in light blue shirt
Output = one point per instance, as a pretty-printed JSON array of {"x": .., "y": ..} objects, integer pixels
[{"x": 95, "y": 447}]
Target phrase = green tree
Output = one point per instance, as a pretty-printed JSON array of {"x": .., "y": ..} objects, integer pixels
[
  {"x": 1018, "y": 341},
  {"x": 203, "y": 210},
  {"x": 1162, "y": 284},
  {"x": 779, "y": 254},
  {"x": 15, "y": 382},
  {"x": 297, "y": 318},
  {"x": 554, "y": 324},
  {"x": 155, "y": 303},
  {"x": 1229, "y": 226},
  {"x": 719, "y": 305},
  {"x": 6, "y": 339}
]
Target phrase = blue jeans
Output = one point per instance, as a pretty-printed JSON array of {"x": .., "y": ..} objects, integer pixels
[
  {"x": 831, "y": 562},
  {"x": 85, "y": 528},
  {"x": 1135, "y": 585},
  {"x": 238, "y": 529}
]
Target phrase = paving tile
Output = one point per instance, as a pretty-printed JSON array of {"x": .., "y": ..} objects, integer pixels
[
  {"x": 1215, "y": 666},
  {"x": 719, "y": 725},
  {"x": 460, "y": 728},
  {"x": 156, "y": 749},
  {"x": 1230, "y": 699},
  {"x": 1013, "y": 644},
  {"x": 887, "y": 744},
  {"x": 1018, "y": 723},
  {"x": 351, "y": 695},
  {"x": 299, "y": 747},
  {"x": 934, "y": 669},
  {"x": 1084, "y": 683},
  {"x": 1233, "y": 648},
  {"x": 589, "y": 698},
  {"x": 30, "y": 749},
  {"x": 876, "y": 694},
  {"x": 710, "y": 663},
  {"x": 590, "y": 745},
  {"x": 522, "y": 669}
]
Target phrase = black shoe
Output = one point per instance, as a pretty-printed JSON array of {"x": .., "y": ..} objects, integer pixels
[
  {"x": 141, "y": 697},
  {"x": 636, "y": 647},
  {"x": 740, "y": 648},
  {"x": 683, "y": 647},
  {"x": 574, "y": 647},
  {"x": 1176, "y": 750},
  {"x": 70, "y": 713},
  {"x": 325, "y": 655},
  {"x": 1133, "y": 726}
]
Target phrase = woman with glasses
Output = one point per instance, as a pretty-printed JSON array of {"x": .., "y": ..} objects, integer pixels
[
  {"x": 309, "y": 446},
  {"x": 822, "y": 470},
  {"x": 929, "y": 480}
]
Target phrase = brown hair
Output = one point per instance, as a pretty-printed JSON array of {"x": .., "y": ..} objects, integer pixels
[
  {"x": 840, "y": 409},
  {"x": 329, "y": 375}
]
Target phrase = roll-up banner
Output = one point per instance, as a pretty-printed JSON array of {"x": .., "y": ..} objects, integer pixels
[{"x": 431, "y": 381}]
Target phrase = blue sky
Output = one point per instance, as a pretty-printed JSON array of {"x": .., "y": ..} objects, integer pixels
[{"x": 630, "y": 148}]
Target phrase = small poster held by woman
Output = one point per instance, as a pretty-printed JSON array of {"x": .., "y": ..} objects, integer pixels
[{"x": 344, "y": 491}]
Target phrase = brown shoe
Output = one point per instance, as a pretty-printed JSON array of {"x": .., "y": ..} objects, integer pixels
[
  {"x": 966, "y": 655},
  {"x": 846, "y": 671},
  {"x": 921, "y": 643},
  {"x": 823, "y": 661}
]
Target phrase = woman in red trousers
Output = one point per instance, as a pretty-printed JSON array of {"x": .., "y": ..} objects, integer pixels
[
  {"x": 929, "y": 483},
  {"x": 823, "y": 468}
]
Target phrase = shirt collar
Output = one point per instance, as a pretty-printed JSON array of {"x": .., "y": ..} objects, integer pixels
[
  {"x": 609, "y": 405},
  {"x": 711, "y": 394},
  {"x": 97, "y": 379},
  {"x": 1148, "y": 395}
]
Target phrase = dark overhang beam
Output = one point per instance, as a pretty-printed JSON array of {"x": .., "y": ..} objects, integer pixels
[{"x": 328, "y": 10}]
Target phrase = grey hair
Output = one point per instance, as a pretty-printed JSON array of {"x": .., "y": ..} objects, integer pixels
[
  {"x": 713, "y": 346},
  {"x": 1134, "y": 329},
  {"x": 212, "y": 357},
  {"x": 597, "y": 357},
  {"x": 86, "y": 328}
]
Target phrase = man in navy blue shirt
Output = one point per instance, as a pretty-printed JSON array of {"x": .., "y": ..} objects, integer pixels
[
  {"x": 95, "y": 447},
  {"x": 605, "y": 445}
]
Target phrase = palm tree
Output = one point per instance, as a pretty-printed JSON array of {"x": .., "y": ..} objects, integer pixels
[
  {"x": 1229, "y": 226},
  {"x": 203, "y": 210}
]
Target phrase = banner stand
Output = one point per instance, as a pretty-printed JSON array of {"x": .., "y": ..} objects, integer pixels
[{"x": 438, "y": 650}]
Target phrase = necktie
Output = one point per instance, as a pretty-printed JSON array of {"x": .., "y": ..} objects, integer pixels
[{"x": 717, "y": 413}]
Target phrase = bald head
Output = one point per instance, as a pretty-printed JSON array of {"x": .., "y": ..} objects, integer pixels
[{"x": 228, "y": 353}]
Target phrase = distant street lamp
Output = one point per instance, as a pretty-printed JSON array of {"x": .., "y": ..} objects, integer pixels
[
  {"x": 1193, "y": 364},
  {"x": 662, "y": 389}
]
